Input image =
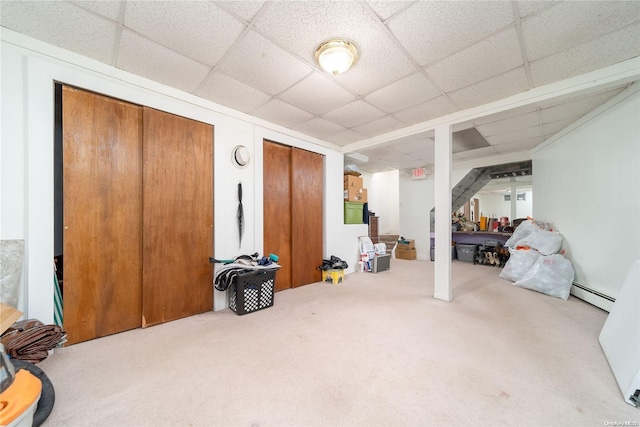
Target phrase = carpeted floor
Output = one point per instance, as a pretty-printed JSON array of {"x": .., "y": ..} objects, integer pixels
[{"x": 376, "y": 350}]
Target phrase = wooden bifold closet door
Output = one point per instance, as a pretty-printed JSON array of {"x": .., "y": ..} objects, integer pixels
[
  {"x": 293, "y": 209},
  {"x": 177, "y": 217},
  {"x": 102, "y": 179},
  {"x": 138, "y": 216}
]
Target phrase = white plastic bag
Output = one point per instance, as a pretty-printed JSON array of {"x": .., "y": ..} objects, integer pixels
[
  {"x": 545, "y": 242},
  {"x": 523, "y": 230},
  {"x": 552, "y": 275},
  {"x": 520, "y": 261}
]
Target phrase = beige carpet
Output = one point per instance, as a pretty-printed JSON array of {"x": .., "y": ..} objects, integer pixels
[{"x": 376, "y": 350}]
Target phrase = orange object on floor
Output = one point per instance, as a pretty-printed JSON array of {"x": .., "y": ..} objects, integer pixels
[{"x": 18, "y": 402}]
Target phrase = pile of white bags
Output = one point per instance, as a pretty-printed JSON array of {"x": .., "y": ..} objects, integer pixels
[{"x": 534, "y": 262}]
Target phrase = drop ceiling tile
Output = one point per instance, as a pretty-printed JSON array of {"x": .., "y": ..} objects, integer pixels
[
  {"x": 555, "y": 127},
  {"x": 515, "y": 147},
  {"x": 302, "y": 25},
  {"x": 415, "y": 146},
  {"x": 508, "y": 114},
  {"x": 604, "y": 51},
  {"x": 147, "y": 59},
  {"x": 529, "y": 7},
  {"x": 431, "y": 31},
  {"x": 476, "y": 154},
  {"x": 63, "y": 25},
  {"x": 386, "y": 9},
  {"x": 437, "y": 107},
  {"x": 107, "y": 8},
  {"x": 317, "y": 94},
  {"x": 319, "y": 128},
  {"x": 511, "y": 124},
  {"x": 488, "y": 58},
  {"x": 354, "y": 114},
  {"x": 259, "y": 63},
  {"x": 379, "y": 126},
  {"x": 572, "y": 23},
  {"x": 344, "y": 138},
  {"x": 244, "y": 8},
  {"x": 231, "y": 93},
  {"x": 514, "y": 136},
  {"x": 198, "y": 30},
  {"x": 572, "y": 109},
  {"x": 412, "y": 90},
  {"x": 493, "y": 89},
  {"x": 374, "y": 167},
  {"x": 281, "y": 113}
]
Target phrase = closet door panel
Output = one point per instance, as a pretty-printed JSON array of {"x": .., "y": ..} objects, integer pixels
[
  {"x": 306, "y": 222},
  {"x": 277, "y": 208},
  {"x": 177, "y": 217},
  {"x": 102, "y": 181}
]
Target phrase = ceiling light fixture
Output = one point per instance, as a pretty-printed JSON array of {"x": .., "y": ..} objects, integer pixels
[{"x": 336, "y": 55}]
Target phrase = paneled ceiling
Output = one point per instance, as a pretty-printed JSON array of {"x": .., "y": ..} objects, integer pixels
[{"x": 419, "y": 60}]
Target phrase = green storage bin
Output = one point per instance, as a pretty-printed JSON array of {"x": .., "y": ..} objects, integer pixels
[{"x": 353, "y": 212}]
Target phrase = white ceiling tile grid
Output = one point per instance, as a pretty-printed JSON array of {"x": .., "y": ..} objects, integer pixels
[
  {"x": 231, "y": 93},
  {"x": 419, "y": 60},
  {"x": 319, "y": 128},
  {"x": 62, "y": 24},
  {"x": 379, "y": 126},
  {"x": 287, "y": 115},
  {"x": 107, "y": 8},
  {"x": 317, "y": 94},
  {"x": 412, "y": 90},
  {"x": 490, "y": 57},
  {"x": 264, "y": 65},
  {"x": 140, "y": 56},
  {"x": 354, "y": 114},
  {"x": 436, "y": 107},
  {"x": 245, "y": 9},
  {"x": 493, "y": 89},
  {"x": 607, "y": 50},
  {"x": 177, "y": 24},
  {"x": 431, "y": 31}
]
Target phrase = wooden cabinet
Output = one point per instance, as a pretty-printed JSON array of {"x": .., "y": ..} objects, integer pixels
[{"x": 138, "y": 215}]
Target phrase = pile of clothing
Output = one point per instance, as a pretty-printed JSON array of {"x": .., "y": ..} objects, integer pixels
[{"x": 231, "y": 269}]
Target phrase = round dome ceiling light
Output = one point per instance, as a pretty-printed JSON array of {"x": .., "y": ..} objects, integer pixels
[{"x": 336, "y": 55}]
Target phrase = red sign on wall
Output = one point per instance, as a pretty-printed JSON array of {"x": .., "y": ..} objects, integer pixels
[{"x": 420, "y": 173}]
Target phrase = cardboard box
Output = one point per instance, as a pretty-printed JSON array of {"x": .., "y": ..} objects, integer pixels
[
  {"x": 333, "y": 276},
  {"x": 8, "y": 316},
  {"x": 411, "y": 244},
  {"x": 351, "y": 181},
  {"x": 355, "y": 195},
  {"x": 405, "y": 253}
]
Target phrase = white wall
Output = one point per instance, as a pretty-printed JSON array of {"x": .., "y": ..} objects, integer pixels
[
  {"x": 29, "y": 69},
  {"x": 384, "y": 200},
  {"x": 417, "y": 198},
  {"x": 587, "y": 185}
]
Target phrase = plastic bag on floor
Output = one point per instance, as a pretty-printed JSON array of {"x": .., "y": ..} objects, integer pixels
[
  {"x": 551, "y": 275},
  {"x": 545, "y": 242},
  {"x": 523, "y": 230},
  {"x": 520, "y": 261}
]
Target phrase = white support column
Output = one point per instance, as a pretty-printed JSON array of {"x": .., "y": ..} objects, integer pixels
[{"x": 442, "y": 181}]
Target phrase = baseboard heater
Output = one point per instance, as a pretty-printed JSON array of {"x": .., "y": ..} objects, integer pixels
[{"x": 592, "y": 296}]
